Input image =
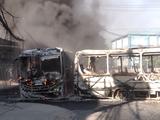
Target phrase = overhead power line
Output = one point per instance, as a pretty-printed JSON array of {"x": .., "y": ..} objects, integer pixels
[{"x": 112, "y": 33}]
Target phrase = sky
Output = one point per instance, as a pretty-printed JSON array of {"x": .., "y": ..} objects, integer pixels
[{"x": 128, "y": 16}]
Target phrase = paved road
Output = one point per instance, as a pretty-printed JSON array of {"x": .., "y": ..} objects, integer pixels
[
  {"x": 33, "y": 111},
  {"x": 9, "y": 92},
  {"x": 106, "y": 110}
]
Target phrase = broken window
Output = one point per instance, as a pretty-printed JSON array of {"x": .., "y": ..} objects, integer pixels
[
  {"x": 50, "y": 65},
  {"x": 93, "y": 64},
  {"x": 151, "y": 63},
  {"x": 124, "y": 64}
]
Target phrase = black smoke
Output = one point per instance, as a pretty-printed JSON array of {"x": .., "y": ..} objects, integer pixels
[{"x": 56, "y": 23}]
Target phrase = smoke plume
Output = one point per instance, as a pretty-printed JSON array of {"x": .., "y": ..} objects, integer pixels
[{"x": 61, "y": 23}]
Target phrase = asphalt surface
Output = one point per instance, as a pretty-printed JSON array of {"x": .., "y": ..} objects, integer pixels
[
  {"x": 9, "y": 93},
  {"x": 99, "y": 109},
  {"x": 33, "y": 111},
  {"x": 113, "y": 110}
]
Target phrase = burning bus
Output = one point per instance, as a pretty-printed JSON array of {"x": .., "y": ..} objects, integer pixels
[
  {"x": 117, "y": 74},
  {"x": 41, "y": 72},
  {"x": 125, "y": 73}
]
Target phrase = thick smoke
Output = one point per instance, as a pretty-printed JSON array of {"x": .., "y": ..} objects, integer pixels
[{"x": 61, "y": 23}]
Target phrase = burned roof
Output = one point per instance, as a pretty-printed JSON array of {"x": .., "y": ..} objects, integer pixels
[
  {"x": 144, "y": 50},
  {"x": 41, "y": 52}
]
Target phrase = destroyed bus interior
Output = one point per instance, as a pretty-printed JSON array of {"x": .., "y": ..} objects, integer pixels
[
  {"x": 40, "y": 72},
  {"x": 91, "y": 73},
  {"x": 139, "y": 70},
  {"x": 126, "y": 73}
]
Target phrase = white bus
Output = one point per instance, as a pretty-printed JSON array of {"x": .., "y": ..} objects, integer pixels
[{"x": 123, "y": 73}]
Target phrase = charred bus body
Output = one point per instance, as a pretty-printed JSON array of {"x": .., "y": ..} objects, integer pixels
[
  {"x": 116, "y": 74},
  {"x": 42, "y": 72},
  {"x": 126, "y": 73}
]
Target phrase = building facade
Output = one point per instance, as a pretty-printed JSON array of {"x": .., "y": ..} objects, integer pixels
[
  {"x": 136, "y": 41},
  {"x": 9, "y": 50}
]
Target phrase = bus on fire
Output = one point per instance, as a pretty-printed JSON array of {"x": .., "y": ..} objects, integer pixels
[{"x": 117, "y": 74}]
